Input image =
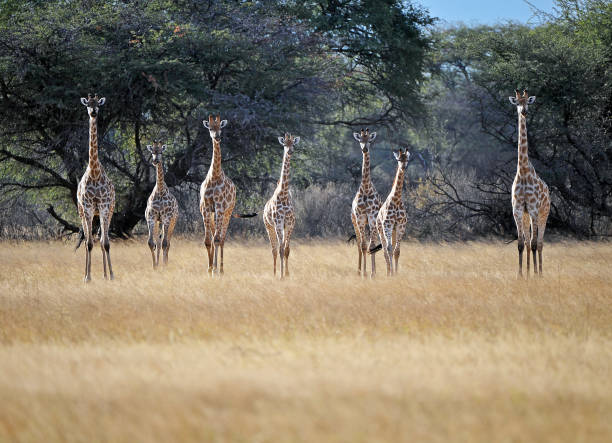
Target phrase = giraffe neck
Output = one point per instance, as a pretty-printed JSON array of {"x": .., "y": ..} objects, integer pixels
[
  {"x": 283, "y": 184},
  {"x": 160, "y": 183},
  {"x": 398, "y": 184},
  {"x": 366, "y": 181},
  {"x": 94, "y": 163},
  {"x": 215, "y": 166},
  {"x": 523, "y": 157}
]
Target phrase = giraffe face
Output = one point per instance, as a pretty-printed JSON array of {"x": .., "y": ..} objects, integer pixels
[
  {"x": 93, "y": 104},
  {"x": 522, "y": 102},
  {"x": 402, "y": 156},
  {"x": 156, "y": 151},
  {"x": 288, "y": 142},
  {"x": 214, "y": 126},
  {"x": 365, "y": 139}
]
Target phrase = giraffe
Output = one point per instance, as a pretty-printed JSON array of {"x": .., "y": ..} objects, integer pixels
[
  {"x": 391, "y": 219},
  {"x": 279, "y": 215},
  {"x": 217, "y": 199},
  {"x": 96, "y": 193},
  {"x": 530, "y": 196},
  {"x": 162, "y": 208},
  {"x": 365, "y": 204}
]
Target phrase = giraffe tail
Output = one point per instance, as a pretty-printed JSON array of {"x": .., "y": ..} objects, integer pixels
[
  {"x": 375, "y": 249},
  {"x": 81, "y": 238},
  {"x": 252, "y": 214},
  {"x": 351, "y": 238}
]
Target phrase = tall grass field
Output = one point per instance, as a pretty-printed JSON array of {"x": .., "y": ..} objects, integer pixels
[{"x": 453, "y": 348}]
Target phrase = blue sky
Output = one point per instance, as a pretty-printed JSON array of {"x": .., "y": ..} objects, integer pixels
[{"x": 484, "y": 11}]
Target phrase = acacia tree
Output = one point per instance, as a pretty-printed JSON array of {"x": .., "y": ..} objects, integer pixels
[
  {"x": 163, "y": 66},
  {"x": 564, "y": 62}
]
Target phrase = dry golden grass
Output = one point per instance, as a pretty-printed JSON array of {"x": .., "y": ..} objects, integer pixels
[{"x": 452, "y": 349}]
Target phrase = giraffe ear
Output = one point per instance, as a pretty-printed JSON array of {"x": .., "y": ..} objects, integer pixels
[
  {"x": 396, "y": 154},
  {"x": 531, "y": 100},
  {"x": 372, "y": 136},
  {"x": 150, "y": 148},
  {"x": 513, "y": 100},
  {"x": 223, "y": 123},
  {"x": 163, "y": 148},
  {"x": 356, "y": 136},
  {"x": 84, "y": 101},
  {"x": 281, "y": 140},
  {"x": 101, "y": 101},
  {"x": 205, "y": 123},
  {"x": 296, "y": 140}
]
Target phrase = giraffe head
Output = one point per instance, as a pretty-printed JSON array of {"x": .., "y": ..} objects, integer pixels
[
  {"x": 522, "y": 102},
  {"x": 402, "y": 156},
  {"x": 365, "y": 138},
  {"x": 288, "y": 142},
  {"x": 93, "y": 104},
  {"x": 156, "y": 151},
  {"x": 214, "y": 126}
]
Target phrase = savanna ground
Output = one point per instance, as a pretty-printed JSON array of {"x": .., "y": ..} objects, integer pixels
[{"x": 453, "y": 348}]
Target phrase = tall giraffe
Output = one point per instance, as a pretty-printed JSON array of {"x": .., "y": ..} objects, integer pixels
[
  {"x": 279, "y": 216},
  {"x": 530, "y": 196},
  {"x": 96, "y": 193},
  {"x": 162, "y": 208},
  {"x": 365, "y": 204},
  {"x": 391, "y": 220},
  {"x": 217, "y": 199}
]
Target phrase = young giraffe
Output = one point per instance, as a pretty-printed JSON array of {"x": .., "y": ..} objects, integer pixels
[
  {"x": 217, "y": 199},
  {"x": 365, "y": 204},
  {"x": 162, "y": 208},
  {"x": 530, "y": 196},
  {"x": 279, "y": 216},
  {"x": 96, "y": 193},
  {"x": 391, "y": 220}
]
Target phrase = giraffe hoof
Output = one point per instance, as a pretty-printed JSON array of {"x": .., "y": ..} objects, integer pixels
[{"x": 87, "y": 279}]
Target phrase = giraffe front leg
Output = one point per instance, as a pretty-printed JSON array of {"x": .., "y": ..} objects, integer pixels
[
  {"x": 518, "y": 219},
  {"x": 534, "y": 245},
  {"x": 289, "y": 224},
  {"x": 273, "y": 244},
  {"x": 87, "y": 220},
  {"x": 151, "y": 225},
  {"x": 167, "y": 237},
  {"x": 278, "y": 229},
  {"x": 540, "y": 242},
  {"x": 357, "y": 242},
  {"x": 105, "y": 218},
  {"x": 385, "y": 241},
  {"x": 208, "y": 238},
  {"x": 400, "y": 229}
]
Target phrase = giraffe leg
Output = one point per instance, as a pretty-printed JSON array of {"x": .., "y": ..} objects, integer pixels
[
  {"x": 399, "y": 234},
  {"x": 289, "y": 224},
  {"x": 518, "y": 219},
  {"x": 226, "y": 221},
  {"x": 273, "y": 243},
  {"x": 540, "y": 242},
  {"x": 167, "y": 237},
  {"x": 361, "y": 237},
  {"x": 87, "y": 220},
  {"x": 208, "y": 238},
  {"x": 278, "y": 229},
  {"x": 372, "y": 245},
  {"x": 105, "y": 218},
  {"x": 534, "y": 245},
  {"x": 151, "y": 225},
  {"x": 385, "y": 232},
  {"x": 357, "y": 241}
]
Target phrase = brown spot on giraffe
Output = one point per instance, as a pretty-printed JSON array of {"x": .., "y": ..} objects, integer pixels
[
  {"x": 365, "y": 204},
  {"x": 279, "y": 215},
  {"x": 95, "y": 193},
  {"x": 162, "y": 209},
  {"x": 530, "y": 196},
  {"x": 391, "y": 219}
]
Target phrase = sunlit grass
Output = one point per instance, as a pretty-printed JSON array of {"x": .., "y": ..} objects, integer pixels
[{"x": 453, "y": 348}]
